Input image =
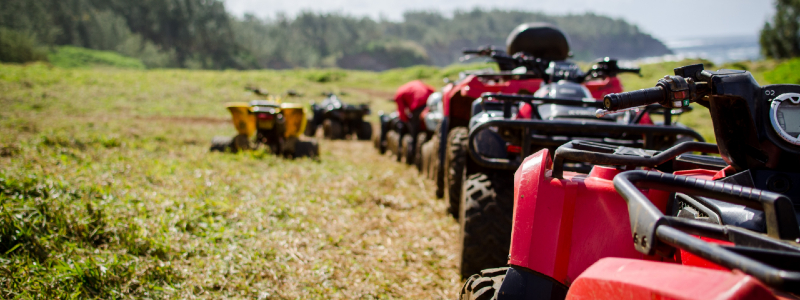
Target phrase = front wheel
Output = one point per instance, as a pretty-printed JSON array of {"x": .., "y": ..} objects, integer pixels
[
  {"x": 436, "y": 173},
  {"x": 333, "y": 129},
  {"x": 393, "y": 144},
  {"x": 311, "y": 128},
  {"x": 221, "y": 144},
  {"x": 407, "y": 149},
  {"x": 454, "y": 166},
  {"x": 308, "y": 149},
  {"x": 421, "y": 137},
  {"x": 487, "y": 212},
  {"x": 483, "y": 286}
]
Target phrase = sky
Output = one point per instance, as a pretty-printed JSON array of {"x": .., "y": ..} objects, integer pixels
[{"x": 666, "y": 20}]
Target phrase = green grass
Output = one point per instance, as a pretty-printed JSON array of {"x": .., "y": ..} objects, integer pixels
[
  {"x": 785, "y": 72},
  {"x": 107, "y": 190},
  {"x": 76, "y": 57}
]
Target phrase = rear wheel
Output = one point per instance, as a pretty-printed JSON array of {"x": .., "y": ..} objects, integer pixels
[
  {"x": 483, "y": 286},
  {"x": 487, "y": 210},
  {"x": 365, "y": 132},
  {"x": 421, "y": 137},
  {"x": 456, "y": 160}
]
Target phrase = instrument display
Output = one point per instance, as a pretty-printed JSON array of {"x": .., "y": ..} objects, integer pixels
[{"x": 784, "y": 114}]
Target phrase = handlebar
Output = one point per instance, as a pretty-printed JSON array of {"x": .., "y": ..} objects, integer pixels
[
  {"x": 634, "y": 98},
  {"x": 670, "y": 92},
  {"x": 629, "y": 70}
]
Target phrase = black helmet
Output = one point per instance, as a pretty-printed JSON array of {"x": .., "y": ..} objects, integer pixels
[{"x": 541, "y": 40}]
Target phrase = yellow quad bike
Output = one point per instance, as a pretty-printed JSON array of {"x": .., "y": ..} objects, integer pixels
[{"x": 268, "y": 123}]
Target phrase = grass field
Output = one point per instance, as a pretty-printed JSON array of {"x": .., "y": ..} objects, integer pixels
[{"x": 108, "y": 191}]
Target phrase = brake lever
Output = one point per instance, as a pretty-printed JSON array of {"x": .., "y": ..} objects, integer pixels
[{"x": 603, "y": 112}]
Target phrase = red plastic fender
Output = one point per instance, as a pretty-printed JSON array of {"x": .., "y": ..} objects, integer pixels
[
  {"x": 551, "y": 215},
  {"x": 600, "y": 88},
  {"x": 619, "y": 279},
  {"x": 473, "y": 87}
]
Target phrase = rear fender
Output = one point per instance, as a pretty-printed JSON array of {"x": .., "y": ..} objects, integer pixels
[
  {"x": 619, "y": 278},
  {"x": 600, "y": 88},
  {"x": 457, "y": 99},
  {"x": 551, "y": 215}
]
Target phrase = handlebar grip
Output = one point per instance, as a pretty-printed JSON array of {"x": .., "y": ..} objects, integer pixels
[
  {"x": 630, "y": 70},
  {"x": 634, "y": 98}
]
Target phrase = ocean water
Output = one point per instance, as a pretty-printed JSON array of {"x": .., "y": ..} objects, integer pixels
[{"x": 716, "y": 49}]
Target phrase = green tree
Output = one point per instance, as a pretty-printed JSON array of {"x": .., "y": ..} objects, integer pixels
[
  {"x": 781, "y": 37},
  {"x": 18, "y": 47}
]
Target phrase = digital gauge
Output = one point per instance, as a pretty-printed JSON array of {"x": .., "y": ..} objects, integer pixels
[{"x": 784, "y": 113}]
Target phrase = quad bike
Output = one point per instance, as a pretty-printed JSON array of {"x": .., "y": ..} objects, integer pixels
[
  {"x": 502, "y": 133},
  {"x": 701, "y": 227},
  {"x": 533, "y": 47},
  {"x": 270, "y": 123},
  {"x": 339, "y": 120}
]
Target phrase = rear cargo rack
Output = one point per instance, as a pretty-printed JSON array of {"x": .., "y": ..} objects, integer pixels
[
  {"x": 574, "y": 129},
  {"x": 604, "y": 154},
  {"x": 773, "y": 258}
]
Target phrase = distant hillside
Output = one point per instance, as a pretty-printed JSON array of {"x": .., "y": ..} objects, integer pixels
[
  {"x": 591, "y": 36},
  {"x": 202, "y": 34},
  {"x": 424, "y": 38}
]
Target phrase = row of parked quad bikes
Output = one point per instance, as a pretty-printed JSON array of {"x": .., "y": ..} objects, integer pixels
[{"x": 565, "y": 188}]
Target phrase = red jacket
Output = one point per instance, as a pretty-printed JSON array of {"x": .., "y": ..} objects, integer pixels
[{"x": 412, "y": 95}]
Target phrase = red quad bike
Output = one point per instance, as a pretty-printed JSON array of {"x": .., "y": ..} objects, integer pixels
[
  {"x": 664, "y": 224},
  {"x": 540, "y": 40},
  {"x": 560, "y": 111}
]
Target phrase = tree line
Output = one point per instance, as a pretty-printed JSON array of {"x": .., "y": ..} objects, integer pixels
[{"x": 202, "y": 34}]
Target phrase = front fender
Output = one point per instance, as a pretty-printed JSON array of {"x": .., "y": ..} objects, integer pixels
[{"x": 563, "y": 226}]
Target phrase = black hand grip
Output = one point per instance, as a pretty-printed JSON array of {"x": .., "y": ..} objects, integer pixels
[
  {"x": 629, "y": 70},
  {"x": 634, "y": 98}
]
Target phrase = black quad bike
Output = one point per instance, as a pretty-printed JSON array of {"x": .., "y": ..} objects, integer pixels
[
  {"x": 339, "y": 120},
  {"x": 701, "y": 226}
]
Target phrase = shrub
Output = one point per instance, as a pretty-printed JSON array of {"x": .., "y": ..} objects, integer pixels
[{"x": 18, "y": 47}]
